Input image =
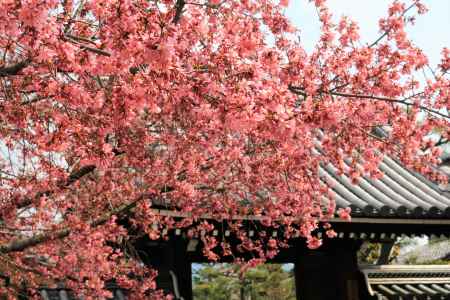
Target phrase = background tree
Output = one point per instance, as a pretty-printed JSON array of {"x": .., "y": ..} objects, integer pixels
[
  {"x": 265, "y": 282},
  {"x": 370, "y": 252},
  {"x": 110, "y": 108}
]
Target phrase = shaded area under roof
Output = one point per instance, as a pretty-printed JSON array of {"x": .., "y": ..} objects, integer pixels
[{"x": 64, "y": 294}]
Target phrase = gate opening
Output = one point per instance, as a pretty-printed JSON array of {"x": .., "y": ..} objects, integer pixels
[{"x": 226, "y": 282}]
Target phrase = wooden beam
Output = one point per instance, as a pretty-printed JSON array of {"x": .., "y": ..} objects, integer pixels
[{"x": 171, "y": 213}]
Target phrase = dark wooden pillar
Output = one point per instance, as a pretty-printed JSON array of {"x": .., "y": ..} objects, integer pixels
[
  {"x": 174, "y": 269},
  {"x": 385, "y": 253},
  {"x": 330, "y": 272}
]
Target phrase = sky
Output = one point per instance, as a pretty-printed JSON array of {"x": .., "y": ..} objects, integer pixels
[{"x": 431, "y": 31}]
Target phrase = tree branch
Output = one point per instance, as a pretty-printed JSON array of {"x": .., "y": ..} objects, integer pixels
[
  {"x": 95, "y": 50},
  {"x": 441, "y": 142},
  {"x": 22, "y": 244},
  {"x": 76, "y": 40},
  {"x": 14, "y": 69},
  {"x": 73, "y": 177},
  {"x": 35, "y": 99},
  {"x": 179, "y": 6},
  {"x": 80, "y": 38},
  {"x": 301, "y": 91}
]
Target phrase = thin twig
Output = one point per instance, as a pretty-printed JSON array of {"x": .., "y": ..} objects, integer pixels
[
  {"x": 390, "y": 28},
  {"x": 300, "y": 91}
]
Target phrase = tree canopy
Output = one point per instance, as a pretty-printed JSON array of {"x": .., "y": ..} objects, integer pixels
[{"x": 111, "y": 107}]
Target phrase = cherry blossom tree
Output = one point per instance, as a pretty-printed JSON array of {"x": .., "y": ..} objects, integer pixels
[{"x": 110, "y": 108}]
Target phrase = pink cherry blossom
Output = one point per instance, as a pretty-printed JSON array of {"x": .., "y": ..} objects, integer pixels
[{"x": 208, "y": 109}]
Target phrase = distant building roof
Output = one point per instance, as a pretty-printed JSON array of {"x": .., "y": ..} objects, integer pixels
[
  {"x": 407, "y": 282},
  {"x": 426, "y": 253}
]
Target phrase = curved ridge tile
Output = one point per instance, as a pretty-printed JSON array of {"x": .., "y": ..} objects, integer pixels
[
  {"x": 417, "y": 194},
  {"x": 414, "y": 180}
]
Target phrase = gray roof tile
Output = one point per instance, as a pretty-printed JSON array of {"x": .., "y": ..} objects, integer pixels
[
  {"x": 407, "y": 282},
  {"x": 399, "y": 193}
]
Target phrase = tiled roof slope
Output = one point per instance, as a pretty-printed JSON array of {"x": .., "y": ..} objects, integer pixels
[
  {"x": 400, "y": 193},
  {"x": 395, "y": 282}
]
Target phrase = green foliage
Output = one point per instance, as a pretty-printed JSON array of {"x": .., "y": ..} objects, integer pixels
[
  {"x": 436, "y": 240},
  {"x": 369, "y": 253},
  {"x": 413, "y": 260},
  {"x": 224, "y": 281},
  {"x": 437, "y": 262}
]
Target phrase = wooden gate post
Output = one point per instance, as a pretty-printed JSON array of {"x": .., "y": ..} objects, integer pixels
[
  {"x": 169, "y": 258},
  {"x": 330, "y": 272}
]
